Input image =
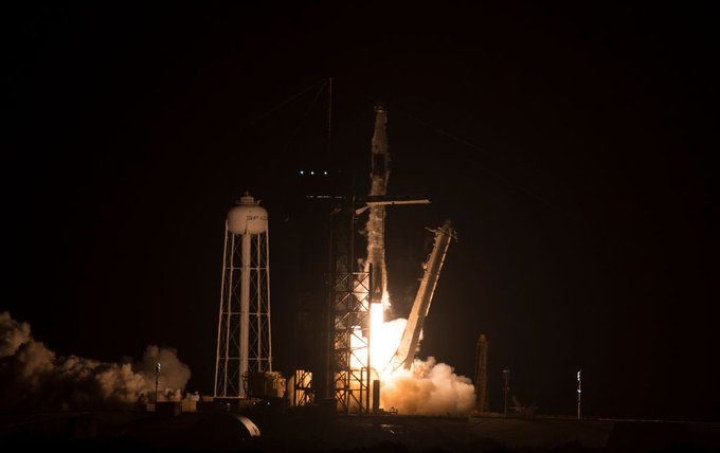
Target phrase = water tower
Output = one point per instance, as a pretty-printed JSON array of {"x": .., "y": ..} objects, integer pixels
[{"x": 244, "y": 350}]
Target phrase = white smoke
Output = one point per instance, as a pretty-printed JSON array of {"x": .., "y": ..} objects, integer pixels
[
  {"x": 33, "y": 377},
  {"x": 428, "y": 388}
]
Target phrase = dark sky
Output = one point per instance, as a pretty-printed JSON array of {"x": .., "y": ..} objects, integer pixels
[{"x": 570, "y": 145}]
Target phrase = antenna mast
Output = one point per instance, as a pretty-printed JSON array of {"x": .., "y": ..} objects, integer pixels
[{"x": 329, "y": 128}]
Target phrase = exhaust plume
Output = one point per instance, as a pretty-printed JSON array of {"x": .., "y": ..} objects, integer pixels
[{"x": 428, "y": 388}]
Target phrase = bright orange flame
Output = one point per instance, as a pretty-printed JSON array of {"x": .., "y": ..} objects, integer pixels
[
  {"x": 376, "y": 324},
  {"x": 358, "y": 344},
  {"x": 385, "y": 339}
]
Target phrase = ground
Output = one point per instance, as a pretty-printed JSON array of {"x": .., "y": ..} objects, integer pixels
[{"x": 313, "y": 432}]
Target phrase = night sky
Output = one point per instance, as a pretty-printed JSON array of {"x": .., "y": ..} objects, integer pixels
[{"x": 571, "y": 147}]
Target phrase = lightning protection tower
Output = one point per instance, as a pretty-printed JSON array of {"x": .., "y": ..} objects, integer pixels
[
  {"x": 481, "y": 375},
  {"x": 243, "y": 337}
]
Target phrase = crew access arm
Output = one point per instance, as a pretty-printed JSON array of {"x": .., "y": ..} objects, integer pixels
[{"x": 405, "y": 353}]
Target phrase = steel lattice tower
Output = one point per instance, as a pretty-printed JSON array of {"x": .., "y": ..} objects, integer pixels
[{"x": 350, "y": 318}]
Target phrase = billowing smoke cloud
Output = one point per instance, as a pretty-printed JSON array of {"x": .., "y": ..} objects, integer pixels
[
  {"x": 33, "y": 377},
  {"x": 429, "y": 388}
]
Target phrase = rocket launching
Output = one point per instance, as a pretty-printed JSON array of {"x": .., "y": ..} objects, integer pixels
[
  {"x": 387, "y": 349},
  {"x": 379, "y": 176},
  {"x": 375, "y": 265}
]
